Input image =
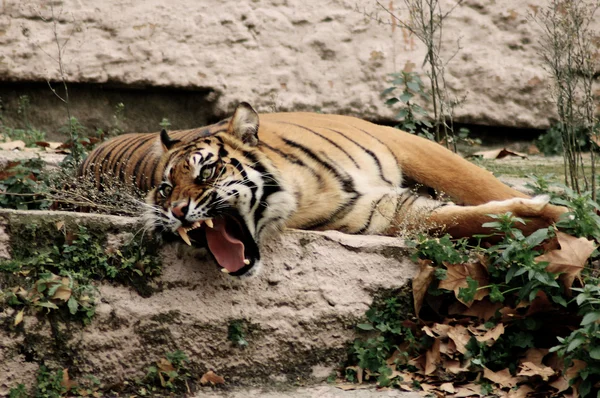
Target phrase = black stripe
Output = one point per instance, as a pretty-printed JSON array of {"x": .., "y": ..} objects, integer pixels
[
  {"x": 347, "y": 186},
  {"x": 248, "y": 183},
  {"x": 368, "y": 224},
  {"x": 124, "y": 164},
  {"x": 347, "y": 183},
  {"x": 335, "y": 144},
  {"x": 368, "y": 152},
  {"x": 382, "y": 143}
]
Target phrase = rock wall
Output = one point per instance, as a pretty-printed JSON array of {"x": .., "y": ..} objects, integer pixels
[
  {"x": 300, "y": 311},
  {"x": 328, "y": 56}
]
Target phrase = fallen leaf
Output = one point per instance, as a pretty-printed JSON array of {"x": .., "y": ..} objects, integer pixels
[
  {"x": 460, "y": 336},
  {"x": 540, "y": 303},
  {"x": 19, "y": 317},
  {"x": 483, "y": 309},
  {"x": 491, "y": 335},
  {"x": 535, "y": 355},
  {"x": 165, "y": 365},
  {"x": 62, "y": 293},
  {"x": 432, "y": 357},
  {"x": 212, "y": 378},
  {"x": 359, "y": 373},
  {"x": 352, "y": 386},
  {"x": 521, "y": 392},
  {"x": 60, "y": 225},
  {"x": 468, "y": 390},
  {"x": 573, "y": 371},
  {"x": 454, "y": 366},
  {"x": 66, "y": 381},
  {"x": 498, "y": 154},
  {"x": 448, "y": 387},
  {"x": 570, "y": 259},
  {"x": 456, "y": 278},
  {"x": 421, "y": 283},
  {"x": 531, "y": 369},
  {"x": 502, "y": 377}
]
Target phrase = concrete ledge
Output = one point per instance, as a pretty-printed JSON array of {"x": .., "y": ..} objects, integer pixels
[{"x": 300, "y": 311}]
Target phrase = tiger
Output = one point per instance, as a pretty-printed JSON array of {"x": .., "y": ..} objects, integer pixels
[{"x": 230, "y": 185}]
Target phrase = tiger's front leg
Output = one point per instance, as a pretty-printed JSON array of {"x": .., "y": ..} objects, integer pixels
[{"x": 466, "y": 221}]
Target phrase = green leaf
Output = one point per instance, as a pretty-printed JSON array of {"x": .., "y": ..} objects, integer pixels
[
  {"x": 73, "y": 305},
  {"x": 47, "y": 304},
  {"x": 414, "y": 86},
  {"x": 590, "y": 317},
  {"x": 387, "y": 91},
  {"x": 406, "y": 96},
  {"x": 392, "y": 101},
  {"x": 365, "y": 326},
  {"x": 595, "y": 353},
  {"x": 575, "y": 343}
]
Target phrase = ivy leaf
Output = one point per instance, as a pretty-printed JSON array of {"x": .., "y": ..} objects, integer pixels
[
  {"x": 365, "y": 326},
  {"x": 73, "y": 305}
]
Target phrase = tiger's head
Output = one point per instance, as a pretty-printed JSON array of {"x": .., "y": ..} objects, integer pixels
[{"x": 221, "y": 191}]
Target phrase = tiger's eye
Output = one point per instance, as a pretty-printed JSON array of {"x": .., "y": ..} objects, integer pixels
[
  {"x": 165, "y": 190},
  {"x": 207, "y": 173}
]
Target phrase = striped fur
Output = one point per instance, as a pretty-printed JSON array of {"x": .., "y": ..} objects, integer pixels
[{"x": 309, "y": 171}]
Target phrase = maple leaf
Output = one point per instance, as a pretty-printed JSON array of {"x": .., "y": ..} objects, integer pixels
[
  {"x": 570, "y": 259},
  {"x": 491, "y": 335},
  {"x": 460, "y": 336},
  {"x": 457, "y": 277},
  {"x": 432, "y": 357},
  {"x": 421, "y": 283},
  {"x": 522, "y": 392},
  {"x": 531, "y": 369},
  {"x": 212, "y": 378},
  {"x": 502, "y": 377},
  {"x": 483, "y": 309}
]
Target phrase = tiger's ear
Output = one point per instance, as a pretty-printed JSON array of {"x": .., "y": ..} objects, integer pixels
[
  {"x": 244, "y": 124},
  {"x": 166, "y": 141}
]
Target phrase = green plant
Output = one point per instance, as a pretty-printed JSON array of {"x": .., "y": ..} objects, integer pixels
[
  {"x": 50, "y": 384},
  {"x": 18, "y": 392},
  {"x": 487, "y": 312},
  {"x": 57, "y": 275},
  {"x": 165, "y": 123},
  {"x": 236, "y": 333},
  {"x": 413, "y": 118},
  {"x": 22, "y": 186},
  {"x": 569, "y": 55},
  {"x": 26, "y": 132},
  {"x": 76, "y": 144},
  {"x": 171, "y": 372}
]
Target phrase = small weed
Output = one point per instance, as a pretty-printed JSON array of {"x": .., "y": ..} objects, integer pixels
[
  {"x": 25, "y": 132},
  {"x": 49, "y": 384},
  {"x": 170, "y": 372},
  {"x": 165, "y": 123},
  {"x": 22, "y": 185},
  {"x": 18, "y": 392},
  {"x": 58, "y": 277},
  {"x": 236, "y": 333}
]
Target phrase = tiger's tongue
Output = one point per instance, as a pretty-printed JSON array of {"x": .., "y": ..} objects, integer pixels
[{"x": 228, "y": 250}]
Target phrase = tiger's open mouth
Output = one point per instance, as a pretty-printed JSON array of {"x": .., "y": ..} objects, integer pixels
[{"x": 228, "y": 240}]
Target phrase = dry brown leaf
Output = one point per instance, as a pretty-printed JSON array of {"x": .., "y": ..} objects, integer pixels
[
  {"x": 448, "y": 387},
  {"x": 421, "y": 283},
  {"x": 521, "y": 392},
  {"x": 19, "y": 317},
  {"x": 165, "y": 365},
  {"x": 212, "y": 378},
  {"x": 531, "y": 369},
  {"x": 62, "y": 293},
  {"x": 535, "y": 355},
  {"x": 573, "y": 371},
  {"x": 460, "y": 336},
  {"x": 502, "y": 377},
  {"x": 491, "y": 335},
  {"x": 468, "y": 390},
  {"x": 570, "y": 259},
  {"x": 498, "y": 154},
  {"x": 60, "y": 225},
  {"x": 432, "y": 357},
  {"x": 454, "y": 366},
  {"x": 359, "y": 373},
  {"x": 456, "y": 278},
  {"x": 66, "y": 381},
  {"x": 483, "y": 309}
]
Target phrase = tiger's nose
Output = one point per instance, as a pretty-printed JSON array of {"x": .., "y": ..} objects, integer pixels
[{"x": 180, "y": 209}]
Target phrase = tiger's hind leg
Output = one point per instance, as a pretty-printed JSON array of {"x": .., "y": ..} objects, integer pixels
[{"x": 466, "y": 221}]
